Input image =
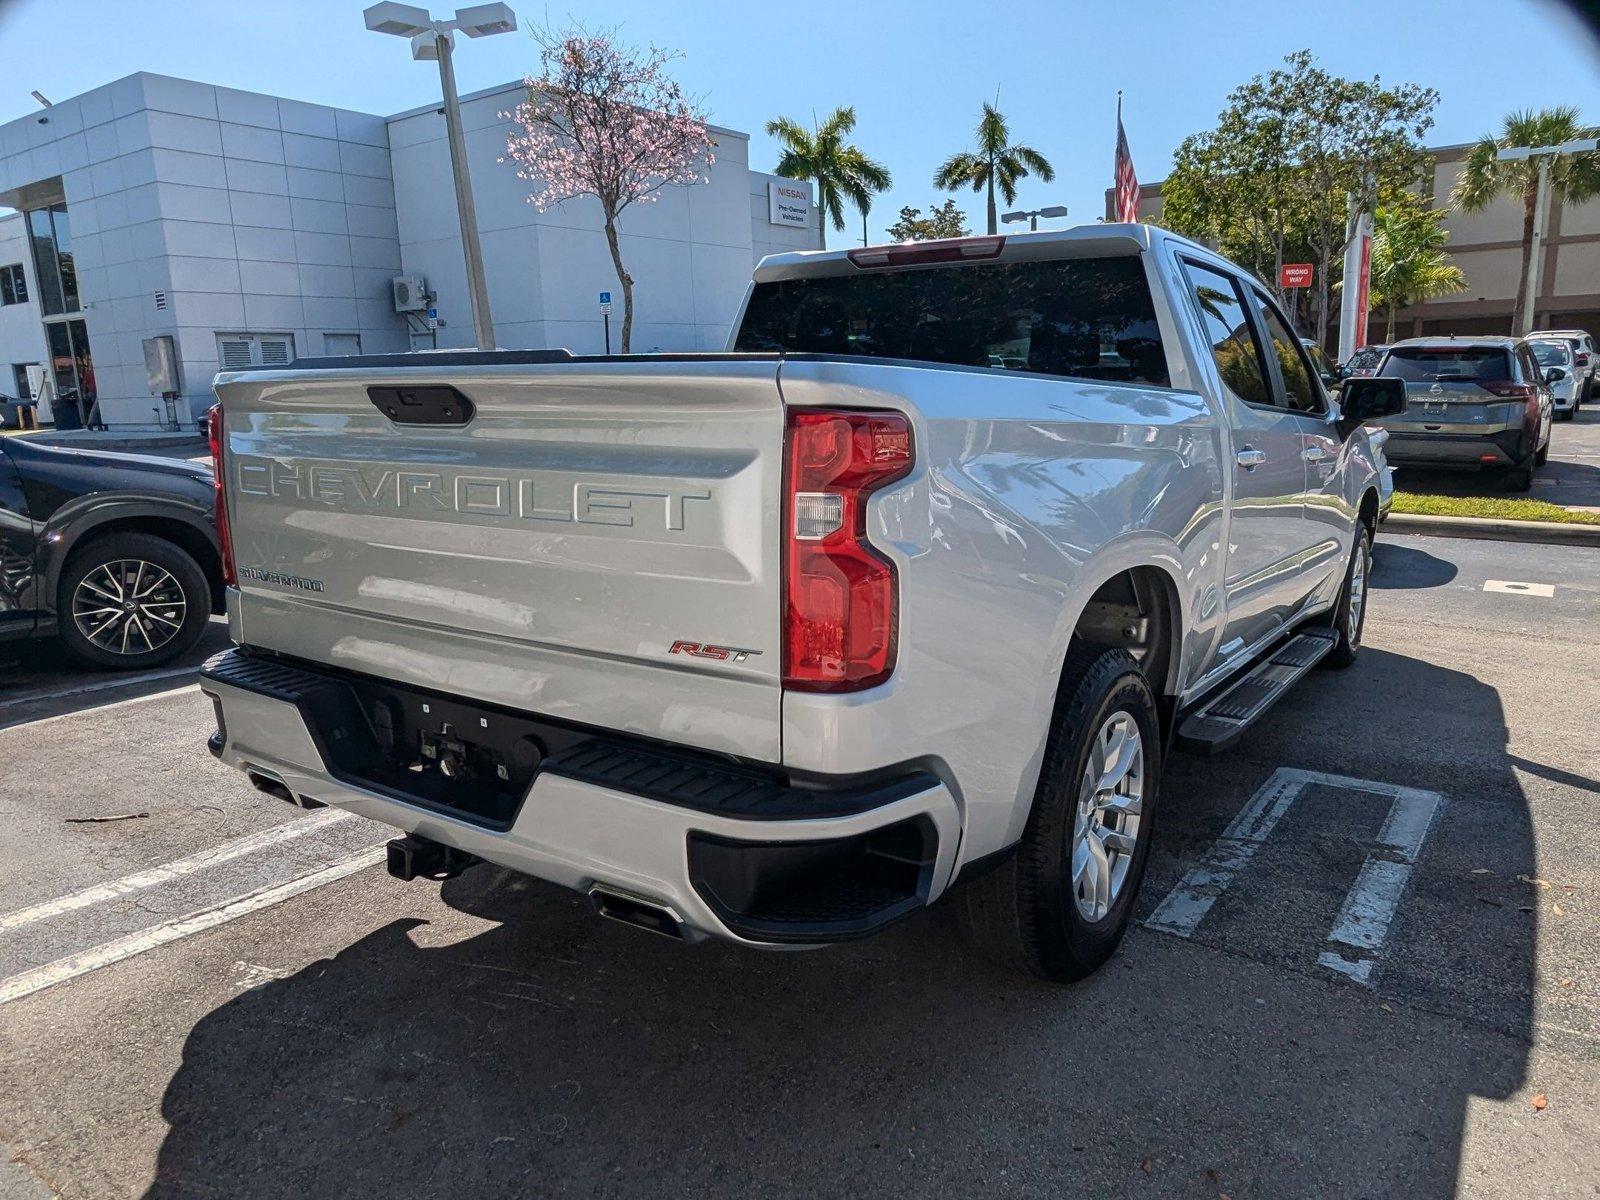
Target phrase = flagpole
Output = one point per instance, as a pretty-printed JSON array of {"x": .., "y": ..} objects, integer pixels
[{"x": 1119, "y": 108}]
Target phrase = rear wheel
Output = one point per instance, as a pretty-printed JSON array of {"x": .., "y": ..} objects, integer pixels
[
  {"x": 1058, "y": 907},
  {"x": 1520, "y": 479},
  {"x": 130, "y": 600}
]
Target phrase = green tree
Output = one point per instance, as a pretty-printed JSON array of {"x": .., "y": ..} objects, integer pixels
[
  {"x": 1409, "y": 262},
  {"x": 841, "y": 170},
  {"x": 945, "y": 221},
  {"x": 995, "y": 163},
  {"x": 1574, "y": 178},
  {"x": 1268, "y": 185}
]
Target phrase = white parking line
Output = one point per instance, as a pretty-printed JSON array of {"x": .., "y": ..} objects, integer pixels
[
  {"x": 1516, "y": 588},
  {"x": 99, "y": 708},
  {"x": 1188, "y": 903},
  {"x": 154, "y": 876},
  {"x": 64, "y": 969},
  {"x": 1369, "y": 907},
  {"x": 103, "y": 686}
]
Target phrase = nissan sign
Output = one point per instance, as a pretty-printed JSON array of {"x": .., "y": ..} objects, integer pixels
[{"x": 788, "y": 203}]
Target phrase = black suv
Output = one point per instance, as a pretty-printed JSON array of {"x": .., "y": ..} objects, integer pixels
[{"x": 115, "y": 553}]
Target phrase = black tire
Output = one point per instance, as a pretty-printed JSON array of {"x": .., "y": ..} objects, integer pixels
[
  {"x": 1542, "y": 454},
  {"x": 1520, "y": 479},
  {"x": 1025, "y": 912},
  {"x": 1340, "y": 620},
  {"x": 100, "y": 558}
]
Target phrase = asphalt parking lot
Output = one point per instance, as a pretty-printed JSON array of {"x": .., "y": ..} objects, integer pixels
[{"x": 1366, "y": 965}]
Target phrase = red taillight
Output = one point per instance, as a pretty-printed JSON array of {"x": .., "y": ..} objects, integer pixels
[
  {"x": 913, "y": 254},
  {"x": 841, "y": 607},
  {"x": 1583, "y": 360},
  {"x": 220, "y": 492},
  {"x": 1505, "y": 389}
]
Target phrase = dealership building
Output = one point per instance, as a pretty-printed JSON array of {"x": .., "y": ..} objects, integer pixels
[
  {"x": 1487, "y": 246},
  {"x": 252, "y": 229}
]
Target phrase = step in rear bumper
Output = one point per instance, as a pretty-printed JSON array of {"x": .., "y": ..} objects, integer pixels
[{"x": 750, "y": 865}]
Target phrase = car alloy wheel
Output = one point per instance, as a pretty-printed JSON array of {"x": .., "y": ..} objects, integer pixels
[
  {"x": 1358, "y": 596},
  {"x": 129, "y": 606},
  {"x": 1105, "y": 829}
]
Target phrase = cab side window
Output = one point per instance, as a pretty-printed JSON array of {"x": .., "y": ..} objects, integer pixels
[
  {"x": 1228, "y": 329},
  {"x": 1301, "y": 391}
]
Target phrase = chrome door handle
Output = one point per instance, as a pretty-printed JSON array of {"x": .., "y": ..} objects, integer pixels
[
  {"x": 1313, "y": 454},
  {"x": 1250, "y": 459}
]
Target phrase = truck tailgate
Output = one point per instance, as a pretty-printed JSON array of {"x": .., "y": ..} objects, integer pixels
[{"x": 546, "y": 555}]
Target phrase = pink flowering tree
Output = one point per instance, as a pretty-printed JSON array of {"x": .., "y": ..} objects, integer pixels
[{"x": 604, "y": 120}]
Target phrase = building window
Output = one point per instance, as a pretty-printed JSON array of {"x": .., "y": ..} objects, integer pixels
[
  {"x": 51, "y": 235},
  {"x": 236, "y": 351},
  {"x": 13, "y": 285}
]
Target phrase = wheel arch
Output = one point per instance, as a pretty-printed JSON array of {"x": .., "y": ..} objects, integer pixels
[{"x": 189, "y": 529}]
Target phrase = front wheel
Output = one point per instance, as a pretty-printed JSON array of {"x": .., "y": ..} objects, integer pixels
[
  {"x": 1349, "y": 616},
  {"x": 1058, "y": 907},
  {"x": 130, "y": 600}
]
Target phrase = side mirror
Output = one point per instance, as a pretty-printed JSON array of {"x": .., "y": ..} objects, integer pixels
[
  {"x": 1554, "y": 375},
  {"x": 1369, "y": 399}
]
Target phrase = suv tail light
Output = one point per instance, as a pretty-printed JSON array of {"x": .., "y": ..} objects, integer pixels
[
  {"x": 220, "y": 492},
  {"x": 1583, "y": 359},
  {"x": 1507, "y": 390},
  {"x": 841, "y": 595}
]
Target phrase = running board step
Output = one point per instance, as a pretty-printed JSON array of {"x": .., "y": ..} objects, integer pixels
[{"x": 1223, "y": 719}]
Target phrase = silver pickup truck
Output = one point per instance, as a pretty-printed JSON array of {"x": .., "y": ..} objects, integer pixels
[{"x": 914, "y": 586}]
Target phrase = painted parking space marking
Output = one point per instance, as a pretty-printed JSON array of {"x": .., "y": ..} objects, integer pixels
[
  {"x": 155, "y": 876},
  {"x": 121, "y": 681},
  {"x": 34, "y": 723},
  {"x": 1188, "y": 903},
  {"x": 52, "y": 974},
  {"x": 1355, "y": 943},
  {"x": 1516, "y": 588}
]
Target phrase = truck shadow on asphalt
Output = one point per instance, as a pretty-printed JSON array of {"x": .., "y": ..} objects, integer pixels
[{"x": 554, "y": 1053}]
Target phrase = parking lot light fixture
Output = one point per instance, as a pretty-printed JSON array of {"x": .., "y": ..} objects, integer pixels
[
  {"x": 435, "y": 40},
  {"x": 1543, "y": 156},
  {"x": 1032, "y": 215}
]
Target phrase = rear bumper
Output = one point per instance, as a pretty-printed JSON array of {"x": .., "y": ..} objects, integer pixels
[
  {"x": 729, "y": 851},
  {"x": 1500, "y": 447}
]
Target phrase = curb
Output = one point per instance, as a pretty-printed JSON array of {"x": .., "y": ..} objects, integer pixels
[{"x": 1550, "y": 533}]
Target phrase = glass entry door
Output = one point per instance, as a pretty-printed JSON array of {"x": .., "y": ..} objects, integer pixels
[{"x": 72, "y": 372}]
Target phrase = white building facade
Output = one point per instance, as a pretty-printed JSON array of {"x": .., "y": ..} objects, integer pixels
[{"x": 258, "y": 229}]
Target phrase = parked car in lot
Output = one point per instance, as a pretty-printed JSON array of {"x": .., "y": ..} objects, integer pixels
[
  {"x": 1566, "y": 392},
  {"x": 115, "y": 554},
  {"x": 1481, "y": 402},
  {"x": 1585, "y": 359},
  {"x": 1363, "y": 363},
  {"x": 913, "y": 586}
]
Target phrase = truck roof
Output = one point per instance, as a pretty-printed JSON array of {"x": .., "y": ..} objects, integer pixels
[{"x": 1078, "y": 241}]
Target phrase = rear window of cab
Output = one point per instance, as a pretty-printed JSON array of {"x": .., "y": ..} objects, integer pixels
[{"x": 1089, "y": 318}]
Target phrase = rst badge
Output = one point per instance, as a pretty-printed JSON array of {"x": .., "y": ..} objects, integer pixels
[{"x": 707, "y": 650}]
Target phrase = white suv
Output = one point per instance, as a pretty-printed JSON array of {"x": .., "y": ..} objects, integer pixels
[{"x": 1584, "y": 356}]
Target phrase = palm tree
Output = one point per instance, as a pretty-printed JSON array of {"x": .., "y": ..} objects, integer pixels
[
  {"x": 840, "y": 170},
  {"x": 1574, "y": 178},
  {"x": 995, "y": 161},
  {"x": 1409, "y": 263}
]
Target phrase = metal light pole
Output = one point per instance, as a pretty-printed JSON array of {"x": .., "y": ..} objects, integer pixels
[
  {"x": 436, "y": 40},
  {"x": 1543, "y": 156},
  {"x": 1032, "y": 215}
]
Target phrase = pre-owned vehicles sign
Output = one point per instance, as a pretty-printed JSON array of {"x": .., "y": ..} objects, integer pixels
[{"x": 788, "y": 203}]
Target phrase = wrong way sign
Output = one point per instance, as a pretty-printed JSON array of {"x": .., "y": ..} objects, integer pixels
[{"x": 1294, "y": 275}]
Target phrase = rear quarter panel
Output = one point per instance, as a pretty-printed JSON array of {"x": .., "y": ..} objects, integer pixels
[{"x": 1028, "y": 493}]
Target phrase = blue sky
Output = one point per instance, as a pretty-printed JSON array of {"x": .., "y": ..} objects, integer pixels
[{"x": 916, "y": 72}]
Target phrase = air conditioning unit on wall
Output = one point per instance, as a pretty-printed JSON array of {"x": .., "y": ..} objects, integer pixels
[{"x": 410, "y": 293}]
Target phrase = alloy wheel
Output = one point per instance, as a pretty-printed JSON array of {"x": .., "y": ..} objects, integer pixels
[
  {"x": 1358, "y": 593},
  {"x": 129, "y": 606},
  {"x": 1110, "y": 806}
]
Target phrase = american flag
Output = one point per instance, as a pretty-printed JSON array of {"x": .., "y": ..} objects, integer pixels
[{"x": 1127, "y": 181}]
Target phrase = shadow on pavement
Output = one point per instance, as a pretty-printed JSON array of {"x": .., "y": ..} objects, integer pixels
[
  {"x": 38, "y": 679},
  {"x": 553, "y": 1053},
  {"x": 1404, "y": 568}
]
